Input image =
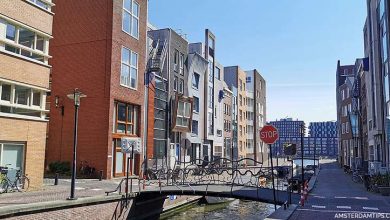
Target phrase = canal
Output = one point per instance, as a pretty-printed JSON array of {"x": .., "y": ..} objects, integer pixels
[{"x": 236, "y": 209}]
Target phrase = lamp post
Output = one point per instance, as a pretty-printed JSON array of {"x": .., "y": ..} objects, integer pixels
[
  {"x": 302, "y": 169},
  {"x": 76, "y": 96}
]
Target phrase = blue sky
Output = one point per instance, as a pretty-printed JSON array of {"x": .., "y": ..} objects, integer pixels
[{"x": 295, "y": 44}]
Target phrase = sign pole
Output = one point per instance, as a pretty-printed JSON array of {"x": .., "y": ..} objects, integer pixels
[{"x": 272, "y": 174}]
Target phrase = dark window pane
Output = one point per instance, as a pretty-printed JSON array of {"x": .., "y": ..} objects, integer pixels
[
  {"x": 36, "y": 98},
  {"x": 121, "y": 112},
  {"x": 10, "y": 32},
  {"x": 121, "y": 128},
  {"x": 21, "y": 95},
  {"x": 6, "y": 92}
]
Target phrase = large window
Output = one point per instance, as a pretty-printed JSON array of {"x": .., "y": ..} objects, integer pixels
[
  {"x": 196, "y": 104},
  {"x": 12, "y": 155},
  {"x": 129, "y": 70},
  {"x": 217, "y": 73},
  {"x": 127, "y": 119},
  {"x": 130, "y": 18},
  {"x": 25, "y": 42},
  {"x": 195, "y": 80},
  {"x": 41, "y": 4},
  {"x": 183, "y": 114},
  {"x": 195, "y": 127},
  {"x": 21, "y": 100},
  {"x": 181, "y": 64}
]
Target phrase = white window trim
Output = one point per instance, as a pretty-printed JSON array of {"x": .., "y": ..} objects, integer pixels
[
  {"x": 184, "y": 111},
  {"x": 41, "y": 108},
  {"x": 130, "y": 65},
  {"x": 17, "y": 23},
  {"x": 131, "y": 15},
  {"x": 49, "y": 3}
]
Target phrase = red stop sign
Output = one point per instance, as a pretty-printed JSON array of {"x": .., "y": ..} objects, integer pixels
[{"x": 269, "y": 134}]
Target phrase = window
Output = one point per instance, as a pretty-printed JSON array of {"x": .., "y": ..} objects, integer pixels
[
  {"x": 21, "y": 100},
  {"x": 175, "y": 83},
  {"x": 130, "y": 17},
  {"x": 240, "y": 85},
  {"x": 12, "y": 155},
  {"x": 129, "y": 70},
  {"x": 196, "y": 104},
  {"x": 211, "y": 72},
  {"x": 210, "y": 123},
  {"x": 342, "y": 95},
  {"x": 195, "y": 80},
  {"x": 183, "y": 114},
  {"x": 176, "y": 60},
  {"x": 127, "y": 119},
  {"x": 217, "y": 73},
  {"x": 210, "y": 92},
  {"x": 41, "y": 4},
  {"x": 195, "y": 127},
  {"x": 25, "y": 42},
  {"x": 240, "y": 97},
  {"x": 181, "y": 86},
  {"x": 181, "y": 64}
]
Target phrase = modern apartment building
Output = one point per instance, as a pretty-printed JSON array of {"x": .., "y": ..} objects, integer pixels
[
  {"x": 227, "y": 121},
  {"x": 25, "y": 32},
  {"x": 323, "y": 129},
  {"x": 173, "y": 108},
  {"x": 100, "y": 50},
  {"x": 289, "y": 130},
  {"x": 322, "y": 138},
  {"x": 256, "y": 114},
  {"x": 197, "y": 67},
  {"x": 235, "y": 77}
]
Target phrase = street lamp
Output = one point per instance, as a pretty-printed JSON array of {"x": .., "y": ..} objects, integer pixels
[{"x": 76, "y": 96}]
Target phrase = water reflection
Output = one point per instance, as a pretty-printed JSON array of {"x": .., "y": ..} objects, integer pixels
[{"x": 237, "y": 209}]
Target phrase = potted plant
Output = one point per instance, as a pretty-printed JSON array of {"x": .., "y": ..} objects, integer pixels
[{"x": 384, "y": 186}]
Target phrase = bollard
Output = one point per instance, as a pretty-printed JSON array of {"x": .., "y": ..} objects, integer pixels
[
  {"x": 56, "y": 179},
  {"x": 100, "y": 175}
]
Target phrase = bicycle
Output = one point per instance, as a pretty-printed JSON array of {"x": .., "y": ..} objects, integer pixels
[
  {"x": 357, "y": 177},
  {"x": 21, "y": 182},
  {"x": 86, "y": 170}
]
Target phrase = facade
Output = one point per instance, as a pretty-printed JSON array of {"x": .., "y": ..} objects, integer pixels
[
  {"x": 227, "y": 122},
  {"x": 105, "y": 59},
  {"x": 289, "y": 132},
  {"x": 256, "y": 106},
  {"x": 172, "y": 121},
  {"x": 197, "y": 67},
  {"x": 323, "y": 129},
  {"x": 25, "y": 32},
  {"x": 344, "y": 82},
  {"x": 376, "y": 48},
  {"x": 235, "y": 77}
]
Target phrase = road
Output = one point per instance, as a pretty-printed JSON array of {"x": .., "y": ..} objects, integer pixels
[{"x": 336, "y": 196}]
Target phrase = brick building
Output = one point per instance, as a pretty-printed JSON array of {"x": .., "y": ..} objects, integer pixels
[
  {"x": 25, "y": 31},
  {"x": 227, "y": 122},
  {"x": 100, "y": 50}
]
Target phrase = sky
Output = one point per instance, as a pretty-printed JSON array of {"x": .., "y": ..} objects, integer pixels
[{"x": 294, "y": 44}]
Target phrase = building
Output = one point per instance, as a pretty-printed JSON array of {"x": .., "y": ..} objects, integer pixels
[
  {"x": 323, "y": 129},
  {"x": 344, "y": 82},
  {"x": 256, "y": 114},
  {"x": 322, "y": 139},
  {"x": 289, "y": 131},
  {"x": 100, "y": 50},
  {"x": 227, "y": 122},
  {"x": 172, "y": 111},
  {"x": 197, "y": 67},
  {"x": 25, "y": 32},
  {"x": 235, "y": 77},
  {"x": 376, "y": 49}
]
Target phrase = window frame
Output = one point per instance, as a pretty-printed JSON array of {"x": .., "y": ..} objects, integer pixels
[
  {"x": 130, "y": 67},
  {"x": 135, "y": 123},
  {"x": 132, "y": 16}
]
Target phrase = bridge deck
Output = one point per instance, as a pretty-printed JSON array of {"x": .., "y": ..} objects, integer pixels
[{"x": 239, "y": 192}]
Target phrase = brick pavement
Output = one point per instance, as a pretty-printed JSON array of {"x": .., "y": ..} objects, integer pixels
[{"x": 335, "y": 193}]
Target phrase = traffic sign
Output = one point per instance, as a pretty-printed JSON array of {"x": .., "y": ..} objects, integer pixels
[{"x": 269, "y": 134}]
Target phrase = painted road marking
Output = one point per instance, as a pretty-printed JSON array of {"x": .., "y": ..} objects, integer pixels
[
  {"x": 344, "y": 207},
  {"x": 318, "y": 206},
  {"x": 96, "y": 189},
  {"x": 370, "y": 208},
  {"x": 365, "y": 198},
  {"x": 340, "y": 197},
  {"x": 79, "y": 188},
  {"x": 321, "y": 197}
]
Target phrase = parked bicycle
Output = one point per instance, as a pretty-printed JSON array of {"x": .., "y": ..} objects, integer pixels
[
  {"x": 357, "y": 176},
  {"x": 87, "y": 170},
  {"x": 20, "y": 183}
]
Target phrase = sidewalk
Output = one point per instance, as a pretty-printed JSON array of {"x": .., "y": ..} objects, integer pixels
[{"x": 335, "y": 193}]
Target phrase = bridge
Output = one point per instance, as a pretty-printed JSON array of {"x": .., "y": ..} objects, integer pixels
[{"x": 221, "y": 177}]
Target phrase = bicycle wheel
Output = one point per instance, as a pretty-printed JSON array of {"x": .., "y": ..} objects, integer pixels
[{"x": 22, "y": 184}]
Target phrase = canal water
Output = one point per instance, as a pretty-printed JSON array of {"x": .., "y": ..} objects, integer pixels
[{"x": 237, "y": 209}]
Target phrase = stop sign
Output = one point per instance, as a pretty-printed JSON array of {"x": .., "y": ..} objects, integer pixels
[{"x": 269, "y": 134}]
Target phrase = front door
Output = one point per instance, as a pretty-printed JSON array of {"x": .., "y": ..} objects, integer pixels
[
  {"x": 119, "y": 159},
  {"x": 12, "y": 156}
]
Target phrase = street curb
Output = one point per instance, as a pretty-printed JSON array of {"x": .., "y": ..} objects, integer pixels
[
  {"x": 25, "y": 209},
  {"x": 282, "y": 214}
]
